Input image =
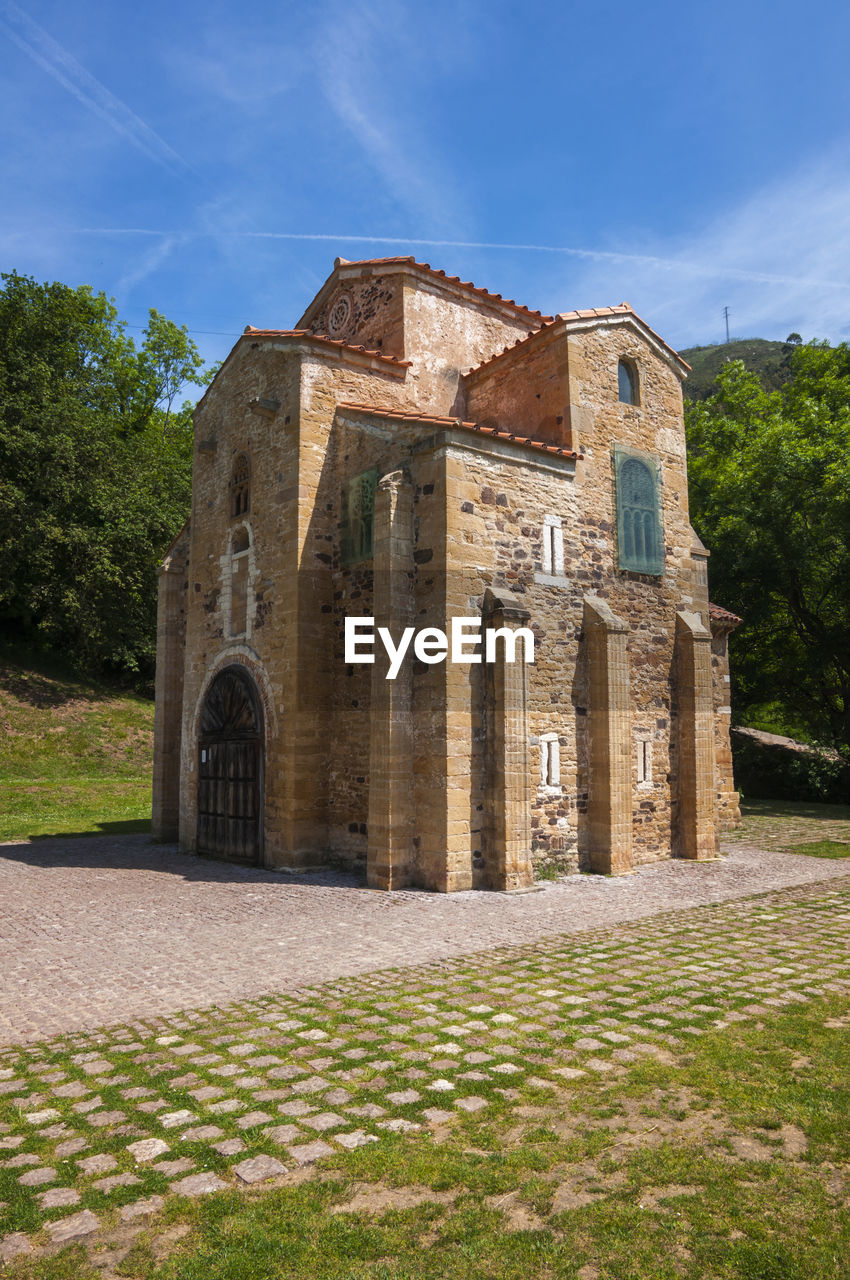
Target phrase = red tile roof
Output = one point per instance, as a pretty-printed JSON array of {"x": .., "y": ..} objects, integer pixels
[
  {"x": 306, "y": 335},
  {"x": 623, "y": 308},
  {"x": 723, "y": 618},
  {"x": 571, "y": 318},
  {"x": 405, "y": 415},
  {"x": 426, "y": 267}
]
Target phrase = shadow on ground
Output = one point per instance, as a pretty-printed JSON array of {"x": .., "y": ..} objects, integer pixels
[
  {"x": 132, "y": 826},
  {"x": 138, "y": 852}
]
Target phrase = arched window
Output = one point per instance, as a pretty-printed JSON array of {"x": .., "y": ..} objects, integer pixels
[
  {"x": 240, "y": 486},
  {"x": 639, "y": 541},
  {"x": 627, "y": 382}
]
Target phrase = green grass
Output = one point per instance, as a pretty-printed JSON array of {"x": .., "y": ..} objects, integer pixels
[
  {"x": 718, "y": 1150},
  {"x": 824, "y": 849},
  {"x": 791, "y": 826},
  {"x": 679, "y": 1203},
  {"x": 75, "y": 755}
]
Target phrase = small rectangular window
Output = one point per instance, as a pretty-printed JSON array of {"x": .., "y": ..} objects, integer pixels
[
  {"x": 358, "y": 517},
  {"x": 644, "y": 747}
]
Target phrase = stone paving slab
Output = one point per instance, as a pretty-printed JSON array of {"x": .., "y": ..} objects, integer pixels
[
  {"x": 534, "y": 1016},
  {"x": 97, "y": 930}
]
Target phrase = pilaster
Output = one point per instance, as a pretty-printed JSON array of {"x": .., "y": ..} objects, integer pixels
[
  {"x": 391, "y": 722},
  {"x": 168, "y": 714},
  {"x": 694, "y": 834},
  {"x": 609, "y": 711},
  {"x": 508, "y": 847}
]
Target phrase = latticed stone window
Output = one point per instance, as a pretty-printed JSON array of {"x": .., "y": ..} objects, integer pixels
[
  {"x": 358, "y": 517},
  {"x": 640, "y": 547},
  {"x": 240, "y": 486}
]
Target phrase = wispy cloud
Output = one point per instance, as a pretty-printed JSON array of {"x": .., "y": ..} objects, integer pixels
[
  {"x": 676, "y": 266},
  {"x": 58, "y": 63},
  {"x": 236, "y": 70},
  {"x": 780, "y": 260},
  {"x": 148, "y": 263},
  {"x": 351, "y": 73}
]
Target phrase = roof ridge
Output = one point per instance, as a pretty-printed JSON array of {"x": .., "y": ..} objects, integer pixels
[
  {"x": 510, "y": 436},
  {"x": 250, "y": 332},
  {"x": 441, "y": 274},
  {"x": 590, "y": 313}
]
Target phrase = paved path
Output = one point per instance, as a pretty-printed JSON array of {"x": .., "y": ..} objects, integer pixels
[
  {"x": 99, "y": 1128},
  {"x": 94, "y": 931}
]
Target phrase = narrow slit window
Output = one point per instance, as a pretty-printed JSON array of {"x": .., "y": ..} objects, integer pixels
[
  {"x": 550, "y": 760},
  {"x": 553, "y": 545},
  {"x": 239, "y": 572},
  {"x": 644, "y": 747}
]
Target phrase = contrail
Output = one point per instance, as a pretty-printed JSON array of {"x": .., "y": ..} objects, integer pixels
[
  {"x": 65, "y": 70},
  {"x": 599, "y": 255}
]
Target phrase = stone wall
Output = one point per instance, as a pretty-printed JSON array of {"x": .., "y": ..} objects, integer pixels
[{"x": 468, "y": 518}]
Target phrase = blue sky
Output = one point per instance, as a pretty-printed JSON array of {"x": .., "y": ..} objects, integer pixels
[{"x": 211, "y": 160}]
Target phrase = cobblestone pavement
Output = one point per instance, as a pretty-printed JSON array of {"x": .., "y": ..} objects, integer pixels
[
  {"x": 781, "y": 824},
  {"x": 102, "y": 929},
  {"x": 98, "y": 1128}
]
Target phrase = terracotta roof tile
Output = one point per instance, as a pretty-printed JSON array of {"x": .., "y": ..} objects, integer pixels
[
  {"x": 572, "y": 317},
  {"x": 409, "y": 260},
  {"x": 405, "y": 415},
  {"x": 723, "y": 617},
  {"x": 306, "y": 334}
]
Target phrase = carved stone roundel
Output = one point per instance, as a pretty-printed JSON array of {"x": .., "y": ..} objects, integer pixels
[{"x": 339, "y": 316}]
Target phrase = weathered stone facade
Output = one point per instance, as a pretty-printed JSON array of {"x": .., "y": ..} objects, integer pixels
[{"x": 419, "y": 450}]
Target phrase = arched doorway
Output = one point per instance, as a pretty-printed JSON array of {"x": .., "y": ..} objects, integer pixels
[{"x": 230, "y": 769}]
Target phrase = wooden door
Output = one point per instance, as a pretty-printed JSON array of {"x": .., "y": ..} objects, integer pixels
[{"x": 230, "y": 767}]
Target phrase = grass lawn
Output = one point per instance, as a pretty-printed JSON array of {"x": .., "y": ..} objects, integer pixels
[
  {"x": 75, "y": 755},
  {"x": 728, "y": 1161},
  {"x": 824, "y": 849},
  {"x": 710, "y": 1143},
  {"x": 718, "y": 1165}
]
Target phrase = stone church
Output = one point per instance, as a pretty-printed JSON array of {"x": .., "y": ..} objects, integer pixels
[{"x": 418, "y": 450}]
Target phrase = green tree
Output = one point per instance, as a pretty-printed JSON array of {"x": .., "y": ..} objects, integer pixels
[
  {"x": 770, "y": 497},
  {"x": 95, "y": 470}
]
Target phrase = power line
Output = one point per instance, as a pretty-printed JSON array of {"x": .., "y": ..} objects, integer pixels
[{"x": 215, "y": 333}]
